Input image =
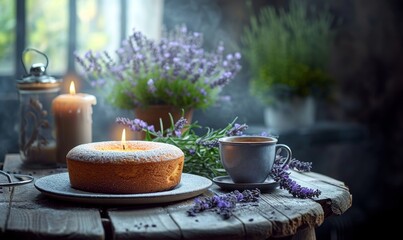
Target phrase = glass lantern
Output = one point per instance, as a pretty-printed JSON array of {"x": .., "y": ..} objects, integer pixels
[{"x": 36, "y": 90}]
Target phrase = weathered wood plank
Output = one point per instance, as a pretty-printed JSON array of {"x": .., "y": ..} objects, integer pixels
[
  {"x": 206, "y": 225},
  {"x": 32, "y": 221},
  {"x": 13, "y": 164},
  {"x": 4, "y": 191},
  {"x": 327, "y": 179},
  {"x": 300, "y": 213},
  {"x": 34, "y": 216},
  {"x": 282, "y": 217},
  {"x": 340, "y": 198},
  {"x": 147, "y": 223},
  {"x": 25, "y": 192},
  {"x": 255, "y": 224},
  {"x": 4, "y": 211}
]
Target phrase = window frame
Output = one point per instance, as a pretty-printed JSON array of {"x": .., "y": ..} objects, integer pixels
[{"x": 21, "y": 44}]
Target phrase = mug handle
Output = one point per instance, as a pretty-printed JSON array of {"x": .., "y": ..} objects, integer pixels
[{"x": 289, "y": 154}]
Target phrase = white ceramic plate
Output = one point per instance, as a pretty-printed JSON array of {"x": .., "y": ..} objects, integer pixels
[
  {"x": 58, "y": 186},
  {"x": 225, "y": 182}
]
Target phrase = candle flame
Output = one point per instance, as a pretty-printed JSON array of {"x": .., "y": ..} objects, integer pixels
[
  {"x": 124, "y": 139},
  {"x": 72, "y": 88}
]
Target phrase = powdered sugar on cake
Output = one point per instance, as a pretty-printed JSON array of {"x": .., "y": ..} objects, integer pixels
[{"x": 112, "y": 151}]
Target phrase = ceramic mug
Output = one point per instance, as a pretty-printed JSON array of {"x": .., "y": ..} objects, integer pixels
[{"x": 249, "y": 159}]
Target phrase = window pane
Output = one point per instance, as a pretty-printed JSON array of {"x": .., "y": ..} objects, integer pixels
[
  {"x": 98, "y": 25},
  {"x": 47, "y": 26},
  {"x": 145, "y": 16},
  {"x": 7, "y": 36}
]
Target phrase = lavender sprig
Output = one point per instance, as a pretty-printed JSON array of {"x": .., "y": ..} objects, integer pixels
[
  {"x": 224, "y": 204},
  {"x": 300, "y": 166},
  {"x": 237, "y": 130},
  {"x": 281, "y": 176},
  {"x": 135, "y": 125}
]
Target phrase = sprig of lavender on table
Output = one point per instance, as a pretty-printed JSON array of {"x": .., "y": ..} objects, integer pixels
[
  {"x": 280, "y": 175},
  {"x": 224, "y": 204},
  {"x": 202, "y": 153},
  {"x": 176, "y": 70}
]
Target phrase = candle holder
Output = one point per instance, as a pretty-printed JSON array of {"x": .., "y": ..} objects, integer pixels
[{"x": 37, "y": 145}]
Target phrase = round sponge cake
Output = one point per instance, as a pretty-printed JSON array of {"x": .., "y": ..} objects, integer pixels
[{"x": 142, "y": 167}]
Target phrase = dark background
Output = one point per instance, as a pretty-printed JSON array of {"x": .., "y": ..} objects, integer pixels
[{"x": 358, "y": 138}]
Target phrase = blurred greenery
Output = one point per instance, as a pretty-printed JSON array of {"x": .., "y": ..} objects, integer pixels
[
  {"x": 7, "y": 34},
  {"x": 47, "y": 30},
  {"x": 47, "y": 23},
  {"x": 288, "y": 51},
  {"x": 92, "y": 25}
]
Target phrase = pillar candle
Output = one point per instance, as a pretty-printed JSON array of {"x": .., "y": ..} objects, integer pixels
[{"x": 73, "y": 121}]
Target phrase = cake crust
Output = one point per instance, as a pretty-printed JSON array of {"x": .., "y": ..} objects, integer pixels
[{"x": 143, "y": 167}]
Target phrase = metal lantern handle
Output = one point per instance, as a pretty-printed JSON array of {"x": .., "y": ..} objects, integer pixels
[
  {"x": 37, "y": 51},
  {"x": 23, "y": 179}
]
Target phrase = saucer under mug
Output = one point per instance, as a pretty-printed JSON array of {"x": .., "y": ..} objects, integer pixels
[{"x": 225, "y": 182}]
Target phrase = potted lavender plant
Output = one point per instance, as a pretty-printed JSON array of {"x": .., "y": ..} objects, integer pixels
[{"x": 166, "y": 76}]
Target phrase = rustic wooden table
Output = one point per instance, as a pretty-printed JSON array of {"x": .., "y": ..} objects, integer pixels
[{"x": 25, "y": 213}]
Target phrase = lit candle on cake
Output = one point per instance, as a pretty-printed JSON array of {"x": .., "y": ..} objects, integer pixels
[
  {"x": 73, "y": 121},
  {"x": 124, "y": 145}
]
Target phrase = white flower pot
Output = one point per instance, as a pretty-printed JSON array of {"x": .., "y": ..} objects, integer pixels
[{"x": 289, "y": 115}]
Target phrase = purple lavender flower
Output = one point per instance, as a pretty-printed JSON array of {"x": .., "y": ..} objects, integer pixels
[
  {"x": 123, "y": 121},
  {"x": 237, "y": 130},
  {"x": 179, "y": 126},
  {"x": 151, "y": 86},
  {"x": 224, "y": 204},
  {"x": 191, "y": 151},
  {"x": 134, "y": 125},
  {"x": 281, "y": 176},
  {"x": 138, "y": 125},
  {"x": 300, "y": 166},
  {"x": 203, "y": 91},
  {"x": 208, "y": 143},
  {"x": 179, "y": 58},
  {"x": 151, "y": 128}
]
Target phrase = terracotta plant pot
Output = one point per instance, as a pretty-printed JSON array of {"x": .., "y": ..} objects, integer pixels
[{"x": 152, "y": 115}]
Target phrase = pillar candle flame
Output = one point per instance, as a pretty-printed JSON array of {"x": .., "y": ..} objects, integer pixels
[
  {"x": 72, "y": 88},
  {"x": 124, "y": 139}
]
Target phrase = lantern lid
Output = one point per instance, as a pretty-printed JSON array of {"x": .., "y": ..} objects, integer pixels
[{"x": 37, "y": 79}]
